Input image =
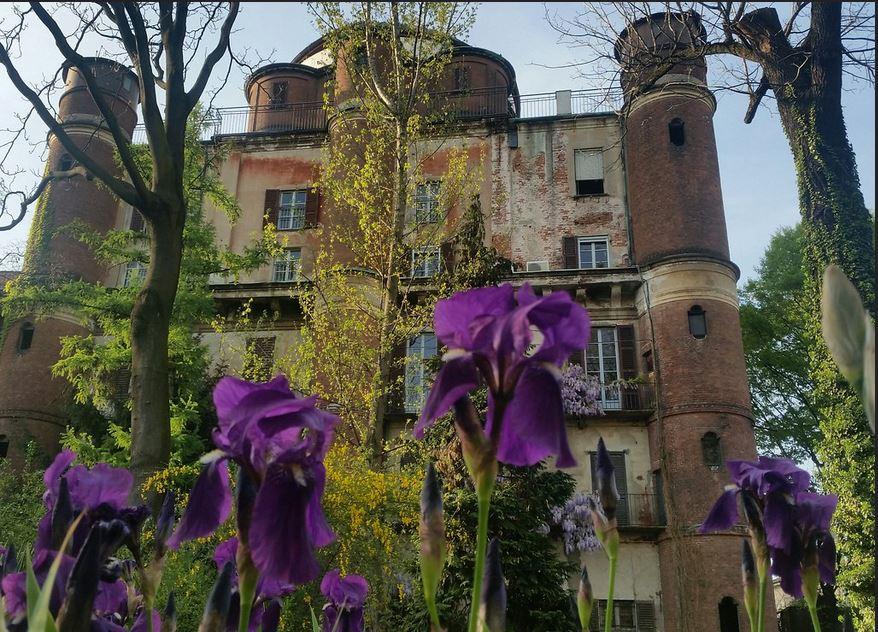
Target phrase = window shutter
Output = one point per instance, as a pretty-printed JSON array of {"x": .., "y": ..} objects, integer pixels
[
  {"x": 312, "y": 207},
  {"x": 569, "y": 252},
  {"x": 618, "y": 461},
  {"x": 136, "y": 221},
  {"x": 627, "y": 354},
  {"x": 396, "y": 393},
  {"x": 272, "y": 202},
  {"x": 645, "y": 616},
  {"x": 588, "y": 164},
  {"x": 446, "y": 255}
]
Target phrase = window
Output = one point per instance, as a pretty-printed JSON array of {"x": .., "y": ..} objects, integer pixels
[
  {"x": 461, "y": 78},
  {"x": 602, "y": 361},
  {"x": 135, "y": 272},
  {"x": 425, "y": 261},
  {"x": 136, "y": 223},
  {"x": 711, "y": 451},
  {"x": 427, "y": 202},
  {"x": 676, "y": 132},
  {"x": 277, "y": 96},
  {"x": 621, "y": 474},
  {"x": 25, "y": 337},
  {"x": 4, "y": 446},
  {"x": 588, "y": 165},
  {"x": 66, "y": 162},
  {"x": 291, "y": 210},
  {"x": 697, "y": 322},
  {"x": 286, "y": 267},
  {"x": 593, "y": 252},
  {"x": 628, "y": 616},
  {"x": 728, "y": 615},
  {"x": 420, "y": 349}
]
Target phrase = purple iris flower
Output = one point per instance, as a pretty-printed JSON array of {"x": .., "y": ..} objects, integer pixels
[
  {"x": 280, "y": 440},
  {"x": 346, "y": 597},
  {"x": 812, "y": 543},
  {"x": 773, "y": 484},
  {"x": 489, "y": 332}
]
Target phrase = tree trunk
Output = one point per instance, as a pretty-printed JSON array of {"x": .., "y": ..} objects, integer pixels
[
  {"x": 390, "y": 299},
  {"x": 837, "y": 228},
  {"x": 150, "y": 325}
]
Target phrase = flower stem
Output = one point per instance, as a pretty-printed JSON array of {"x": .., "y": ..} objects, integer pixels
[
  {"x": 812, "y": 610},
  {"x": 147, "y": 603},
  {"x": 481, "y": 547},
  {"x": 764, "y": 576},
  {"x": 608, "y": 615},
  {"x": 246, "y": 588}
]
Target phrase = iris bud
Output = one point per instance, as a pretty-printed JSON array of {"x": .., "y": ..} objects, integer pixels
[
  {"x": 164, "y": 524},
  {"x": 62, "y": 515},
  {"x": 750, "y": 580},
  {"x": 169, "y": 620},
  {"x": 606, "y": 481},
  {"x": 432, "y": 533},
  {"x": 584, "y": 599},
  {"x": 492, "y": 609},
  {"x": 217, "y": 608},
  {"x": 478, "y": 453}
]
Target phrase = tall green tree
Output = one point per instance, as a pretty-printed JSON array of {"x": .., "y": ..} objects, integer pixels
[
  {"x": 776, "y": 349},
  {"x": 173, "y": 48}
]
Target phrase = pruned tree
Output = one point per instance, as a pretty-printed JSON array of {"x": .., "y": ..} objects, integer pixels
[
  {"x": 797, "y": 55},
  {"x": 174, "y": 49}
]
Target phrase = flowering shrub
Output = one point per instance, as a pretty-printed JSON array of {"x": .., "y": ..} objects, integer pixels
[
  {"x": 575, "y": 522},
  {"x": 580, "y": 393}
]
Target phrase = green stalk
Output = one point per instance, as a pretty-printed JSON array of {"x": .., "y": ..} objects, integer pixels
[
  {"x": 812, "y": 610},
  {"x": 608, "y": 615},
  {"x": 751, "y": 617},
  {"x": 147, "y": 604},
  {"x": 246, "y": 588},
  {"x": 481, "y": 548},
  {"x": 763, "y": 589}
]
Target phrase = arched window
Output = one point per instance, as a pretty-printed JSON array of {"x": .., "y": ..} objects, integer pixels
[
  {"x": 4, "y": 446},
  {"x": 676, "y": 132},
  {"x": 25, "y": 337},
  {"x": 711, "y": 451},
  {"x": 66, "y": 162},
  {"x": 697, "y": 322},
  {"x": 728, "y": 615}
]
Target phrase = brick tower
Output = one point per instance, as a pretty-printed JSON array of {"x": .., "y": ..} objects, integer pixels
[
  {"x": 32, "y": 402},
  {"x": 688, "y": 309}
]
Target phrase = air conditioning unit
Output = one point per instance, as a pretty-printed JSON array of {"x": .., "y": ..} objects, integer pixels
[{"x": 537, "y": 266}]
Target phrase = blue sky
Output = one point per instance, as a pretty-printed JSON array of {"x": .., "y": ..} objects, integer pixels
[{"x": 758, "y": 181}]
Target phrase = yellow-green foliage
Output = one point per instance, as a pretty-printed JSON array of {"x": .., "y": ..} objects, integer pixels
[{"x": 374, "y": 515}]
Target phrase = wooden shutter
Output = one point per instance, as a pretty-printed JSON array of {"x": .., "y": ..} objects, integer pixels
[
  {"x": 272, "y": 202},
  {"x": 618, "y": 461},
  {"x": 312, "y": 207},
  {"x": 569, "y": 251},
  {"x": 627, "y": 351},
  {"x": 645, "y": 611},
  {"x": 446, "y": 255}
]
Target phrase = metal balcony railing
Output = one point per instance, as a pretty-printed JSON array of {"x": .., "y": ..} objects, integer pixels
[
  {"x": 627, "y": 396},
  {"x": 475, "y": 104},
  {"x": 641, "y": 510}
]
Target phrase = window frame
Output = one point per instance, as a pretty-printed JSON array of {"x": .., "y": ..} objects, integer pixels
[
  {"x": 426, "y": 206},
  {"x": 25, "y": 337},
  {"x": 288, "y": 214},
  {"x": 418, "y": 370},
  {"x": 130, "y": 268},
  {"x": 611, "y": 398},
  {"x": 592, "y": 240},
  {"x": 277, "y": 99},
  {"x": 421, "y": 256},
  {"x": 598, "y": 184},
  {"x": 288, "y": 273}
]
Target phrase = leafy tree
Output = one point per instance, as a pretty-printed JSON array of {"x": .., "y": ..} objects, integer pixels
[
  {"x": 98, "y": 365},
  {"x": 162, "y": 41},
  {"x": 776, "y": 349}
]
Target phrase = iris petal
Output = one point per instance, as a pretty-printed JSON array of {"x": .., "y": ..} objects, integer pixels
[
  {"x": 210, "y": 503},
  {"x": 455, "y": 379},
  {"x": 534, "y": 426},
  {"x": 724, "y": 513},
  {"x": 778, "y": 522}
]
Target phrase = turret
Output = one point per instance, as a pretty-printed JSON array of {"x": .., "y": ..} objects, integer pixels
[
  {"x": 688, "y": 312},
  {"x": 33, "y": 404}
]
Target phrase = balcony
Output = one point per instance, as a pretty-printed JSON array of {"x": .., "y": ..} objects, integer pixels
[
  {"x": 637, "y": 396},
  {"x": 471, "y": 105},
  {"x": 641, "y": 511}
]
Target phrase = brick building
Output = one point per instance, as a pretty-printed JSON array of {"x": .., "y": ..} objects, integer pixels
[{"x": 623, "y": 211}]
